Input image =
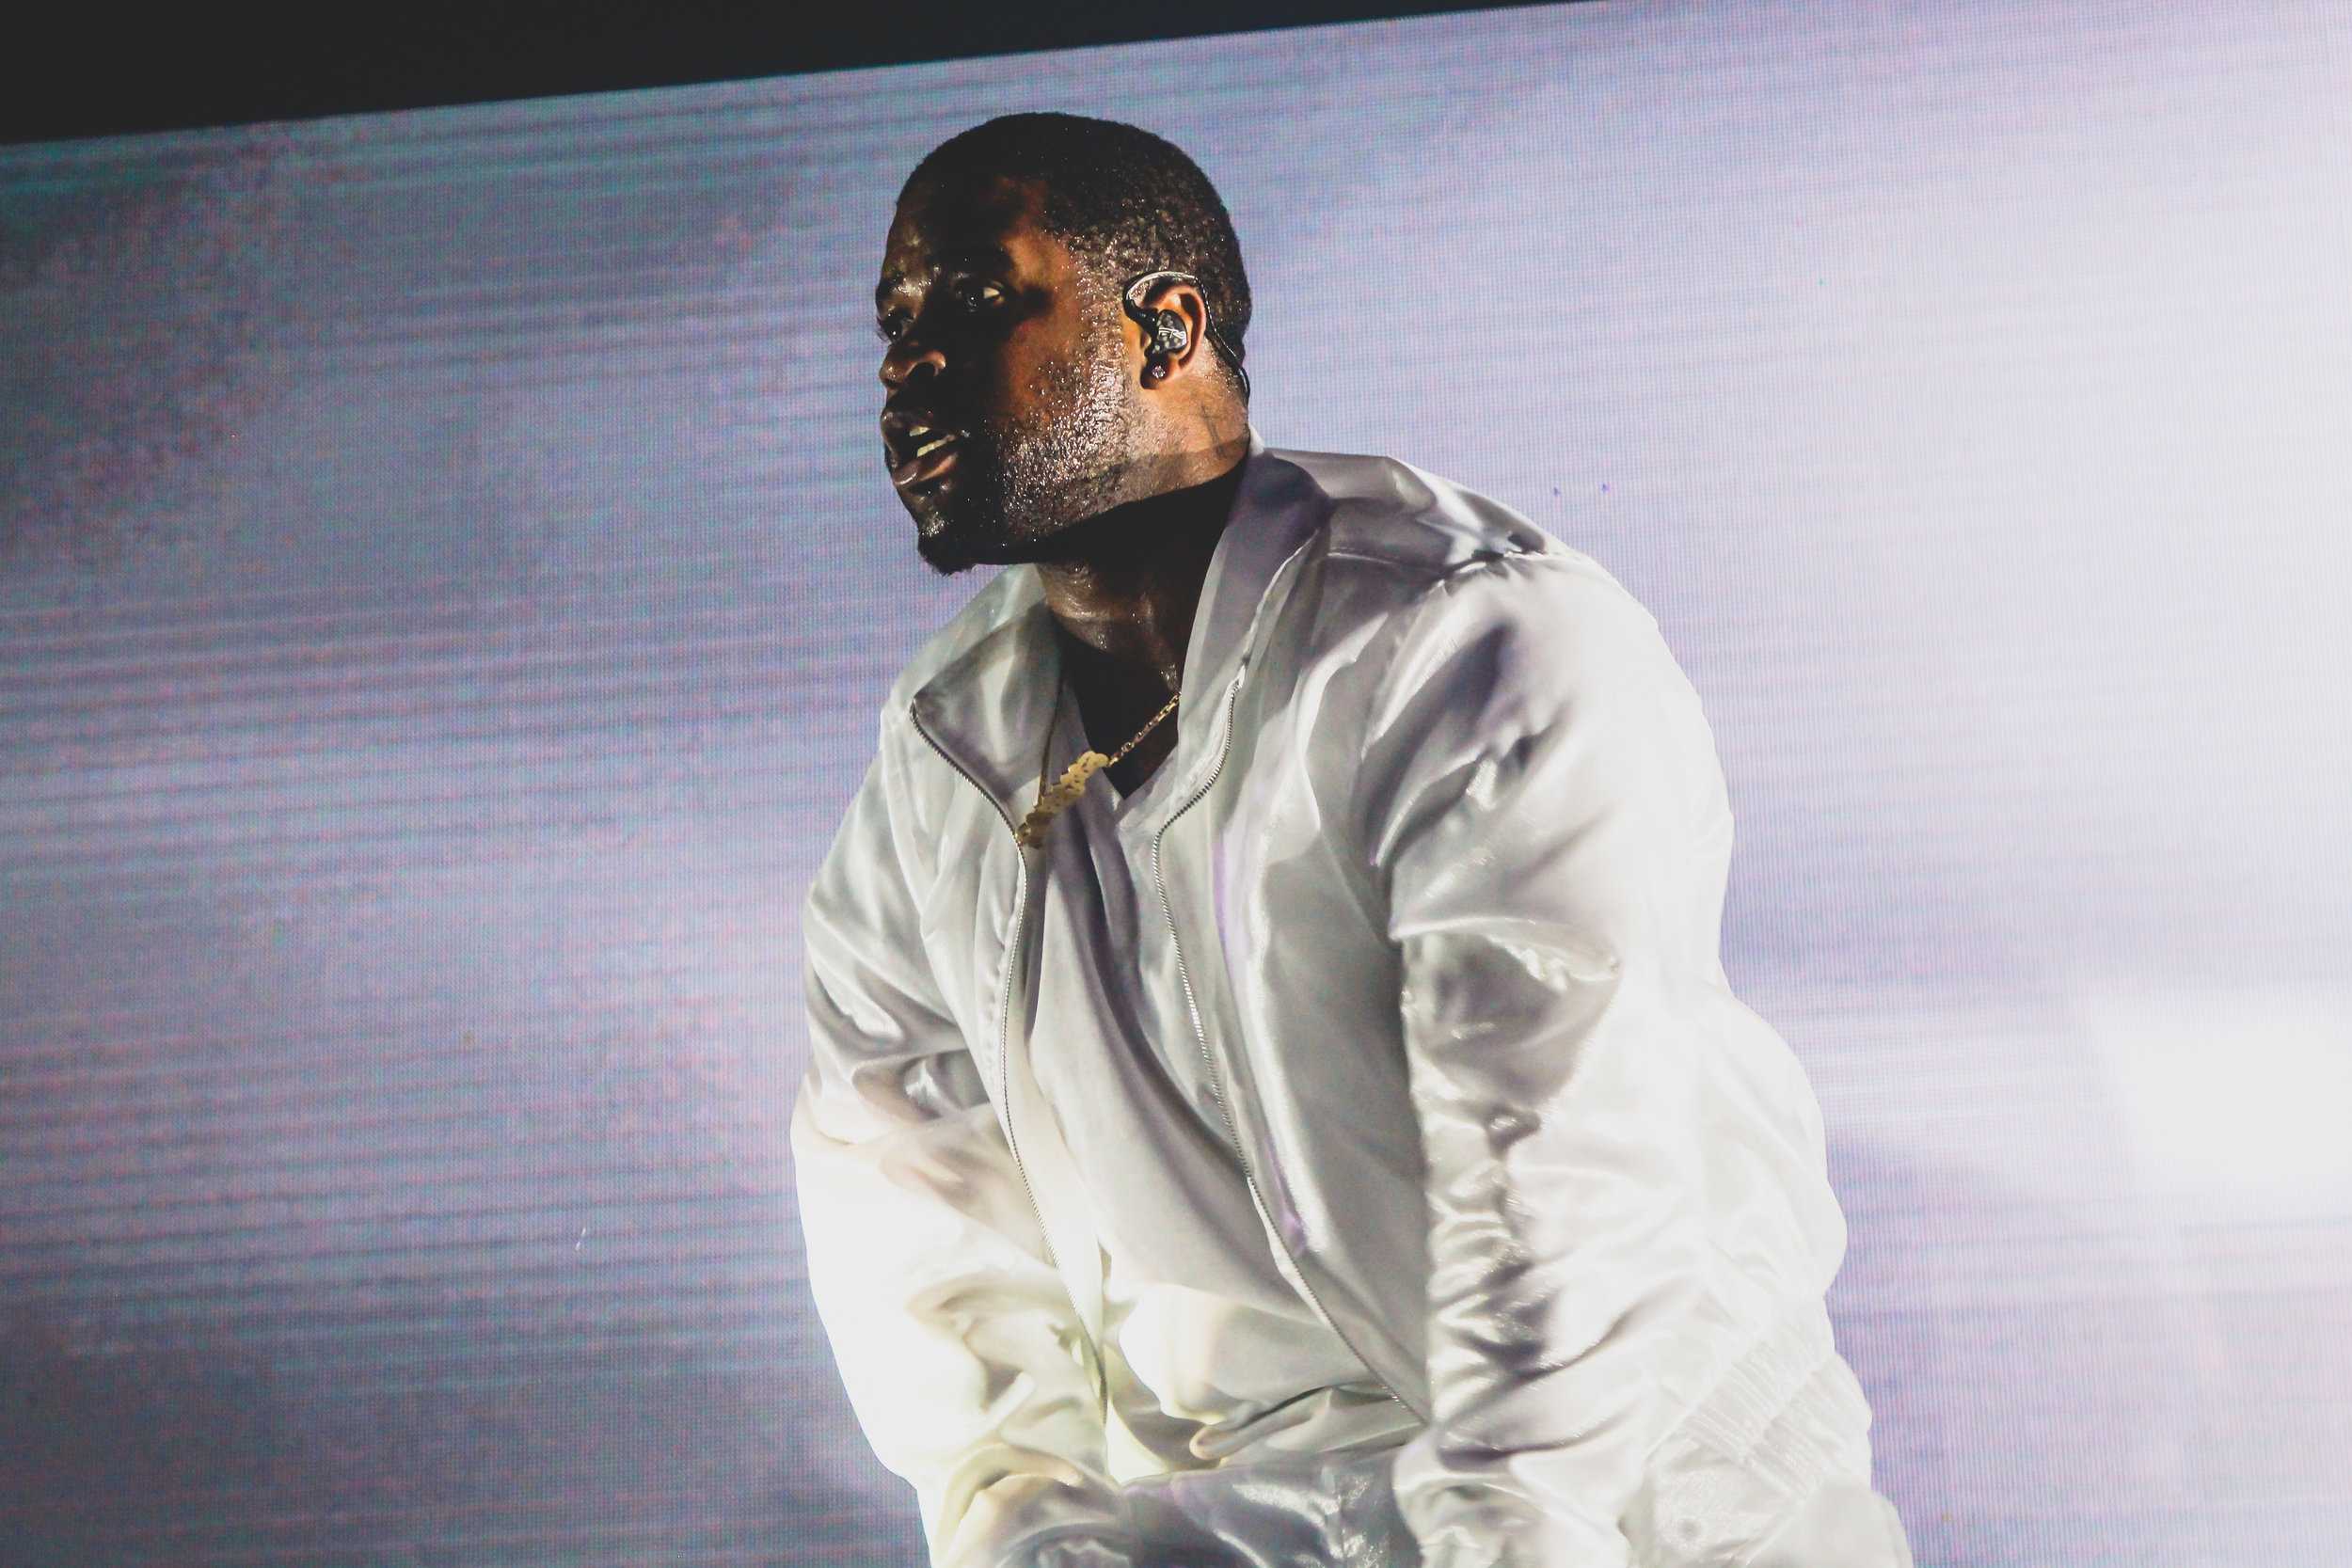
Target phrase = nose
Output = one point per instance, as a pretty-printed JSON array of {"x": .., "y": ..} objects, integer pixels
[{"x": 901, "y": 360}]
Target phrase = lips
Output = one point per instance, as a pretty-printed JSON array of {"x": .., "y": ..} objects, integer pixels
[
  {"x": 924, "y": 458},
  {"x": 910, "y": 434}
]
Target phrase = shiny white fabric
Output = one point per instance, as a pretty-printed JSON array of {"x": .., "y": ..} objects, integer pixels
[
  {"x": 1214, "y": 1356},
  {"x": 1439, "y": 864}
]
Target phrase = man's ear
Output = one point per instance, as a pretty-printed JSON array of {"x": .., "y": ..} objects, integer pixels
[{"x": 1186, "y": 302}]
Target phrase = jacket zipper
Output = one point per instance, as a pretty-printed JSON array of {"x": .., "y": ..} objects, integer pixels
[
  {"x": 1003, "y": 1029},
  {"x": 1208, "y": 1061}
]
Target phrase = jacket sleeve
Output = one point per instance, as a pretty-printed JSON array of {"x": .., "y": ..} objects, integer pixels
[
  {"x": 956, "y": 1338},
  {"x": 1630, "y": 1223}
]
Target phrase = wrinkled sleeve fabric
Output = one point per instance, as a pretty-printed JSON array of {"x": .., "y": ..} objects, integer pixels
[
  {"x": 956, "y": 1338},
  {"x": 1630, "y": 1224}
]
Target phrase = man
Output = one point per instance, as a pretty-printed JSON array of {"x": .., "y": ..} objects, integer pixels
[{"x": 1327, "y": 1137}]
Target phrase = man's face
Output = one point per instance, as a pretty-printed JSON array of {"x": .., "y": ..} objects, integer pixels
[{"x": 993, "y": 338}]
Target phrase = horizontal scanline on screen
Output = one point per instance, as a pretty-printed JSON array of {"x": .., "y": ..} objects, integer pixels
[
  {"x": 582, "y": 682},
  {"x": 350, "y": 151},
  {"x": 270, "y": 862},
  {"x": 421, "y": 1008},
  {"x": 382, "y": 626},
  {"x": 359, "y": 1081},
  {"x": 403, "y": 1547},
  {"x": 775, "y": 1344},
  {"x": 700, "y": 1162},
  {"x": 300, "y": 807},
  {"x": 643, "y": 351},
  {"x": 632, "y": 174},
  {"x": 575, "y": 1121},
  {"x": 477, "y": 647},
  {"x": 720, "y": 588},
  {"x": 596, "y": 1312},
  {"x": 762, "y": 467},
  {"x": 415, "y": 1153},
  {"x": 471, "y": 1034},
  {"x": 461, "y": 600},
  {"x": 214, "y": 1315},
  {"x": 408, "y": 1152},
  {"x": 648, "y": 336},
  {"x": 584, "y": 1203},
  {"x": 666, "y": 1254},
  {"x": 156, "y": 1282},
  {"x": 590, "y": 281},
  {"x": 590, "y": 1296},
  {"x": 158, "y": 1059},
  {"x": 454, "y": 754},
  {"x": 575, "y": 1188},
  {"x": 374, "y": 867},
  {"x": 599, "y": 1314},
  {"x": 737, "y": 1372},
  {"x": 838, "y": 718},
  {"x": 727, "y": 326},
  {"x": 792, "y": 1529},
  {"x": 491, "y": 294}
]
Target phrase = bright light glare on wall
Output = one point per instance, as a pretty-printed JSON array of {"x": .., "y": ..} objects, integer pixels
[{"x": 2244, "y": 1096}]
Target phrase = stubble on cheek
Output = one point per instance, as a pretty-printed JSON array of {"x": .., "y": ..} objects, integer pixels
[{"x": 1069, "y": 466}]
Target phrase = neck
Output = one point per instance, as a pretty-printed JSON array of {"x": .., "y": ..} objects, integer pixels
[{"x": 1125, "y": 583}]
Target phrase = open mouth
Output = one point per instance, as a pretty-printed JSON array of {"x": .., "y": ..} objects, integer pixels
[{"x": 929, "y": 460}]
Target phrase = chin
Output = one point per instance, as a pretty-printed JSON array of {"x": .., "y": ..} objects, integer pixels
[
  {"x": 942, "y": 557},
  {"x": 958, "y": 545}
]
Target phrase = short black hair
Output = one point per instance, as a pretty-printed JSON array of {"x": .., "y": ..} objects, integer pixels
[{"x": 1123, "y": 199}]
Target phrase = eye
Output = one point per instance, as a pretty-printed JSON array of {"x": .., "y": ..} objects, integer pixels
[{"x": 972, "y": 296}]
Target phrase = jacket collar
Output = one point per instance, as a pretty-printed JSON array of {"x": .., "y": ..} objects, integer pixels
[{"x": 989, "y": 707}]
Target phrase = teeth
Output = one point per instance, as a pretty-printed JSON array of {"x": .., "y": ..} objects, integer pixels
[{"x": 932, "y": 445}]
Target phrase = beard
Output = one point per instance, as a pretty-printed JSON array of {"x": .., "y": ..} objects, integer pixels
[{"x": 1018, "y": 482}]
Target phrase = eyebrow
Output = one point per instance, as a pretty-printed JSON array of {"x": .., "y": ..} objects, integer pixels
[{"x": 893, "y": 281}]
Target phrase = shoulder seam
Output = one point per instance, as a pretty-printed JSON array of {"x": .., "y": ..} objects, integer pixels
[{"x": 897, "y": 783}]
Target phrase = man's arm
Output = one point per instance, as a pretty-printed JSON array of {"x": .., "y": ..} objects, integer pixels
[
  {"x": 956, "y": 1338},
  {"x": 1631, "y": 1226}
]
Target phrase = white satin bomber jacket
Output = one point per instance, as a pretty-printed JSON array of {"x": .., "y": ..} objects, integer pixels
[{"x": 1441, "y": 871}]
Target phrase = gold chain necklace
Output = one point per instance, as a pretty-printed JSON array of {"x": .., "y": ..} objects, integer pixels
[{"x": 1053, "y": 802}]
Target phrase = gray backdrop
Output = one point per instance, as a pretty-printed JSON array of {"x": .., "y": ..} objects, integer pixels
[{"x": 446, "y": 576}]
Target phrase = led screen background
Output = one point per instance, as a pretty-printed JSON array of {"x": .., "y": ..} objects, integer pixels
[{"x": 448, "y": 579}]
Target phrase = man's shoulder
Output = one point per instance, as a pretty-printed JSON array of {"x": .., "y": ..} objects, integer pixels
[
  {"x": 1403, "y": 525},
  {"x": 1000, "y": 601}
]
